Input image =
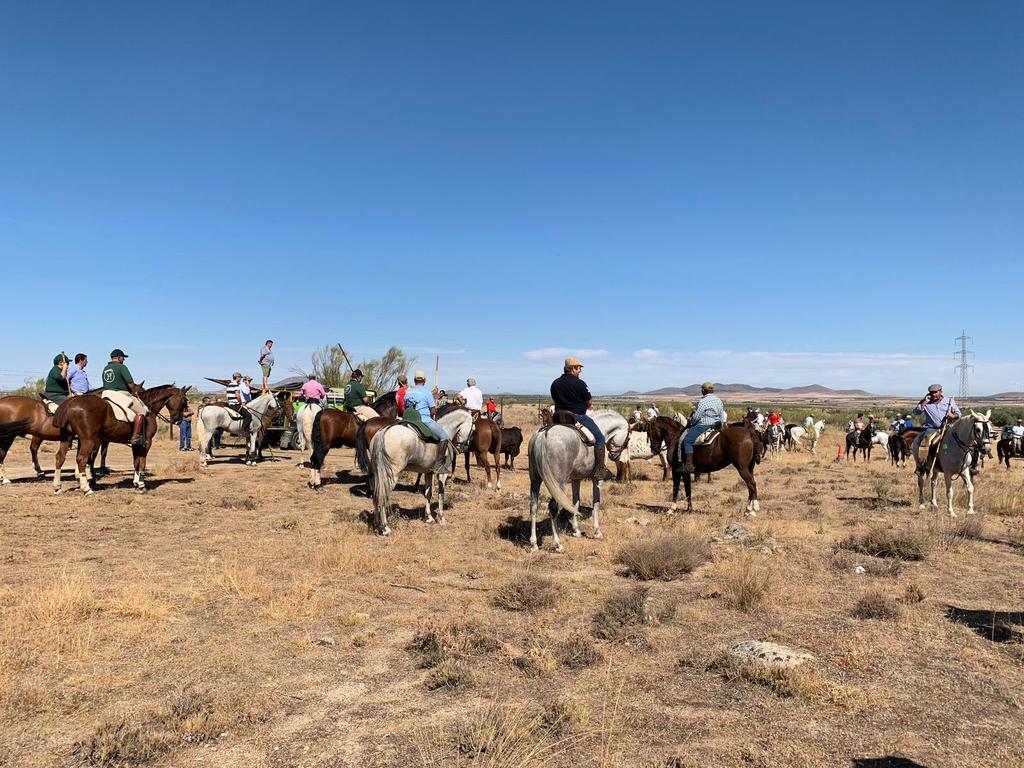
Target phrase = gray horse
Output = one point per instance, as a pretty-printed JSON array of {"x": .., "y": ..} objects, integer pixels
[
  {"x": 558, "y": 456},
  {"x": 954, "y": 459},
  {"x": 397, "y": 447},
  {"x": 210, "y": 418}
]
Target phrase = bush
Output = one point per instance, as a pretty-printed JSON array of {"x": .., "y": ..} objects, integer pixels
[
  {"x": 450, "y": 674},
  {"x": 877, "y": 605},
  {"x": 889, "y": 542},
  {"x": 913, "y": 594},
  {"x": 747, "y": 586},
  {"x": 622, "y": 616},
  {"x": 666, "y": 558},
  {"x": 527, "y": 592},
  {"x": 577, "y": 652}
]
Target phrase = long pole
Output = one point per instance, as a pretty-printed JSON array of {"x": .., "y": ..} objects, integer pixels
[
  {"x": 437, "y": 368},
  {"x": 347, "y": 361}
]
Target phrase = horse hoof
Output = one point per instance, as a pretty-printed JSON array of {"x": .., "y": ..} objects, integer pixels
[
  {"x": 58, "y": 490},
  {"x": 598, "y": 535},
  {"x": 5, "y": 481},
  {"x": 430, "y": 520},
  {"x": 88, "y": 492},
  {"x": 559, "y": 548},
  {"x": 386, "y": 531}
]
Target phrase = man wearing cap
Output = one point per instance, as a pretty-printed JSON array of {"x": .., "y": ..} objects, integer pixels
[
  {"x": 420, "y": 400},
  {"x": 402, "y": 389},
  {"x": 245, "y": 390},
  {"x": 708, "y": 413},
  {"x": 908, "y": 422},
  {"x": 473, "y": 398},
  {"x": 571, "y": 394},
  {"x": 356, "y": 399},
  {"x": 1018, "y": 436},
  {"x": 937, "y": 410},
  {"x": 56, "y": 389},
  {"x": 116, "y": 385}
]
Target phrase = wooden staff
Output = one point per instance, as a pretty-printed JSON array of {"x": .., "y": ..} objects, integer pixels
[{"x": 437, "y": 367}]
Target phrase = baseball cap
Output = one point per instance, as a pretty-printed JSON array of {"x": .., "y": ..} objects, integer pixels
[
  {"x": 357, "y": 372},
  {"x": 118, "y": 353},
  {"x": 57, "y": 359}
]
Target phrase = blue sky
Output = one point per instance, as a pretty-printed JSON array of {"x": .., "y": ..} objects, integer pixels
[{"x": 776, "y": 194}]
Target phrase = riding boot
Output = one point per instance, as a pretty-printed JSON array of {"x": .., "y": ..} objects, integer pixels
[
  {"x": 138, "y": 436},
  {"x": 444, "y": 459},
  {"x": 688, "y": 467},
  {"x": 600, "y": 470}
]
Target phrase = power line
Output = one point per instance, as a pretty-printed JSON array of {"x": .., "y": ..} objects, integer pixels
[{"x": 963, "y": 355}]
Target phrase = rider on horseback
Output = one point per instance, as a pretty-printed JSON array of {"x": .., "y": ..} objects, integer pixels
[
  {"x": 937, "y": 410},
  {"x": 709, "y": 412},
  {"x": 117, "y": 381},
  {"x": 357, "y": 401},
  {"x": 571, "y": 394},
  {"x": 420, "y": 401},
  {"x": 313, "y": 391},
  {"x": 56, "y": 389}
]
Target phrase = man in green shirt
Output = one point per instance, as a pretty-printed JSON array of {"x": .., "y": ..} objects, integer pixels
[
  {"x": 356, "y": 399},
  {"x": 116, "y": 379},
  {"x": 56, "y": 389}
]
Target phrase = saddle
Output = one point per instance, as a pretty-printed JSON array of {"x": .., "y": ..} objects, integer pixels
[
  {"x": 51, "y": 407},
  {"x": 707, "y": 437},
  {"x": 927, "y": 445},
  {"x": 121, "y": 413},
  {"x": 568, "y": 419},
  {"x": 412, "y": 419}
]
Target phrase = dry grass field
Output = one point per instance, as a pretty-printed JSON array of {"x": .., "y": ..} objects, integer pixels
[{"x": 232, "y": 617}]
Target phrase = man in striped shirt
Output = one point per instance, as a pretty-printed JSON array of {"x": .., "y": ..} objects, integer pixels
[
  {"x": 233, "y": 391},
  {"x": 709, "y": 412}
]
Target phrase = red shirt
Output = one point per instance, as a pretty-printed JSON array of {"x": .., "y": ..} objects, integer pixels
[
  {"x": 773, "y": 418},
  {"x": 491, "y": 407},
  {"x": 400, "y": 398}
]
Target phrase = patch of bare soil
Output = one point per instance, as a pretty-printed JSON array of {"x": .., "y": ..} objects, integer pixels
[{"x": 231, "y": 617}]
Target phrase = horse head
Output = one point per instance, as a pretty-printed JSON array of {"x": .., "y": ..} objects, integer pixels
[{"x": 982, "y": 430}]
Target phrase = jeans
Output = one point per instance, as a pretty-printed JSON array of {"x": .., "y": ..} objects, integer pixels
[
  {"x": 437, "y": 429},
  {"x": 691, "y": 436},
  {"x": 595, "y": 430},
  {"x": 185, "y": 435}
]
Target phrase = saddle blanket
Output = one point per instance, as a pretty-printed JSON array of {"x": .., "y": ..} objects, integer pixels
[
  {"x": 124, "y": 405},
  {"x": 707, "y": 437},
  {"x": 925, "y": 446},
  {"x": 365, "y": 413},
  {"x": 51, "y": 407}
]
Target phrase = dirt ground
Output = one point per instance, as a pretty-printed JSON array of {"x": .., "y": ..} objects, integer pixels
[{"x": 231, "y": 617}]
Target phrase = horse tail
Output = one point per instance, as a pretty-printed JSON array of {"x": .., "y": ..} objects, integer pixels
[
  {"x": 384, "y": 477},
  {"x": 551, "y": 483},
  {"x": 17, "y": 428},
  {"x": 200, "y": 427},
  {"x": 320, "y": 447},
  {"x": 362, "y": 449}
]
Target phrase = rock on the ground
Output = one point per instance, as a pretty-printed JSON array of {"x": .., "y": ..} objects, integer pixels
[
  {"x": 772, "y": 654},
  {"x": 738, "y": 531}
]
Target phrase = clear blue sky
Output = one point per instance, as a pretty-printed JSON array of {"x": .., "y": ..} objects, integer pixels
[{"x": 756, "y": 192}]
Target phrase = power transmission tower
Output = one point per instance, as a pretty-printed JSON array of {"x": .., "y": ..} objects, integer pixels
[{"x": 963, "y": 355}]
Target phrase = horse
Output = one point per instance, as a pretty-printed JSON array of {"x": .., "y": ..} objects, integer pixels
[
  {"x": 814, "y": 433},
  {"x": 952, "y": 457},
  {"x": 210, "y": 418},
  {"x": 772, "y": 439},
  {"x": 899, "y": 449},
  {"x": 397, "y": 447},
  {"x": 881, "y": 439},
  {"x": 545, "y": 414},
  {"x": 640, "y": 446},
  {"x": 558, "y": 455},
  {"x": 304, "y": 430},
  {"x": 486, "y": 438},
  {"x": 333, "y": 428},
  {"x": 791, "y": 438},
  {"x": 738, "y": 445},
  {"x": 21, "y": 416},
  {"x": 1006, "y": 449},
  {"x": 860, "y": 441},
  {"x": 92, "y": 419}
]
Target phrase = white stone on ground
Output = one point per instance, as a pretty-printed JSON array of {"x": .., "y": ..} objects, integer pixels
[{"x": 772, "y": 654}]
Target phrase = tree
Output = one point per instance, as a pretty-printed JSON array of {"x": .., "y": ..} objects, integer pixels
[
  {"x": 380, "y": 375},
  {"x": 30, "y": 388}
]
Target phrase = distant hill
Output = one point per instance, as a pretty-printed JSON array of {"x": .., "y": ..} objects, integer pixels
[{"x": 748, "y": 389}]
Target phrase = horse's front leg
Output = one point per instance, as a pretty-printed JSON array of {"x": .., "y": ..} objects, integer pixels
[
  {"x": 5, "y": 446},
  {"x": 935, "y": 485},
  {"x": 676, "y": 477},
  {"x": 576, "y": 508},
  {"x": 442, "y": 480},
  {"x": 688, "y": 486},
  {"x": 140, "y": 470},
  {"x": 428, "y": 493},
  {"x": 597, "y": 510},
  {"x": 966, "y": 475}
]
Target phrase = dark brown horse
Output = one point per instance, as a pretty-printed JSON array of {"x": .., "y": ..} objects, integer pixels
[
  {"x": 860, "y": 441},
  {"x": 20, "y": 417},
  {"x": 333, "y": 428},
  {"x": 92, "y": 419},
  {"x": 737, "y": 445}
]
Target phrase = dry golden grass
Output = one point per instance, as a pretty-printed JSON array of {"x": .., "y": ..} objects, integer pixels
[
  {"x": 665, "y": 557},
  {"x": 316, "y": 642},
  {"x": 877, "y": 604},
  {"x": 882, "y": 541}
]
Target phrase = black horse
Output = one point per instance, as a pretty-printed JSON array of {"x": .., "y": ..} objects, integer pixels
[{"x": 860, "y": 441}]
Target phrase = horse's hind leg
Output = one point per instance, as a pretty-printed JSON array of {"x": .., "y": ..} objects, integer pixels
[
  {"x": 34, "y": 449},
  {"x": 747, "y": 473},
  {"x": 5, "y": 446},
  {"x": 85, "y": 450},
  {"x": 441, "y": 480},
  {"x": 597, "y": 510},
  {"x": 58, "y": 463},
  {"x": 534, "y": 504}
]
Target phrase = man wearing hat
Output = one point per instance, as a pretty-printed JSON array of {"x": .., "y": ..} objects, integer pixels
[
  {"x": 937, "y": 410},
  {"x": 116, "y": 380},
  {"x": 402, "y": 389},
  {"x": 56, "y": 388},
  {"x": 1018, "y": 436},
  {"x": 473, "y": 398},
  {"x": 571, "y": 394},
  {"x": 420, "y": 406},
  {"x": 356, "y": 399},
  {"x": 708, "y": 413}
]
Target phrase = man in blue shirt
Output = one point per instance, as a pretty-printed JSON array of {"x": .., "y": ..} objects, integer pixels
[
  {"x": 709, "y": 412},
  {"x": 937, "y": 410},
  {"x": 77, "y": 379},
  {"x": 419, "y": 399}
]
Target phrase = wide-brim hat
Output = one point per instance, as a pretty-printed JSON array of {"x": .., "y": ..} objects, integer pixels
[
  {"x": 572, "y": 362},
  {"x": 118, "y": 353},
  {"x": 934, "y": 388},
  {"x": 419, "y": 376}
]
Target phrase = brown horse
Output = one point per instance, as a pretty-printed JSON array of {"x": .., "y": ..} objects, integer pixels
[
  {"x": 92, "y": 419},
  {"x": 737, "y": 445},
  {"x": 22, "y": 416},
  {"x": 333, "y": 428},
  {"x": 485, "y": 439}
]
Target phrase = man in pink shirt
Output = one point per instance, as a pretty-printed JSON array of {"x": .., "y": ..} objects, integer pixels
[{"x": 313, "y": 391}]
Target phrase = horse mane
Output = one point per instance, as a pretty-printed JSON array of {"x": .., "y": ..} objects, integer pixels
[
  {"x": 448, "y": 408},
  {"x": 387, "y": 397}
]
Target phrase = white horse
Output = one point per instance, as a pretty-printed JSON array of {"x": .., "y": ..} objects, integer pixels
[
  {"x": 557, "y": 456},
  {"x": 882, "y": 439},
  {"x": 954, "y": 459},
  {"x": 210, "y": 418},
  {"x": 304, "y": 430},
  {"x": 398, "y": 447}
]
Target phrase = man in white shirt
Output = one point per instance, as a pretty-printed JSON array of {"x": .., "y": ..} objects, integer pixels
[
  {"x": 472, "y": 397},
  {"x": 1018, "y": 435},
  {"x": 652, "y": 412}
]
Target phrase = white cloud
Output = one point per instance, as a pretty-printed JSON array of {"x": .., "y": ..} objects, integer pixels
[
  {"x": 553, "y": 353},
  {"x": 647, "y": 354}
]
